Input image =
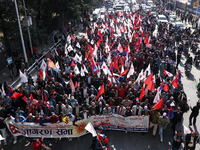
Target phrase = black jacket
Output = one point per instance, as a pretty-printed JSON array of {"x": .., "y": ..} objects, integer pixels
[{"x": 195, "y": 111}]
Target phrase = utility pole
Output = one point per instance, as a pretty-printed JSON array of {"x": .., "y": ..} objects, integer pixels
[
  {"x": 29, "y": 35},
  {"x": 21, "y": 35},
  {"x": 197, "y": 10}
]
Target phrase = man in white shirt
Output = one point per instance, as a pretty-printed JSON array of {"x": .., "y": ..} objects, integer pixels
[{"x": 84, "y": 114}]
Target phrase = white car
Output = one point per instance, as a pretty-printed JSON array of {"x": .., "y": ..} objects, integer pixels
[
  {"x": 148, "y": 8},
  {"x": 126, "y": 9},
  {"x": 110, "y": 10},
  {"x": 149, "y": 3},
  {"x": 172, "y": 18},
  {"x": 162, "y": 19},
  {"x": 143, "y": 6},
  {"x": 136, "y": 7},
  {"x": 179, "y": 24},
  {"x": 153, "y": 13},
  {"x": 118, "y": 9}
]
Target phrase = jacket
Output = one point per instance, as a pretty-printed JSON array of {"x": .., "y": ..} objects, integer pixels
[
  {"x": 160, "y": 121},
  {"x": 134, "y": 109},
  {"x": 66, "y": 110},
  {"x": 107, "y": 111},
  {"x": 57, "y": 108},
  {"x": 82, "y": 115},
  {"x": 122, "y": 112}
]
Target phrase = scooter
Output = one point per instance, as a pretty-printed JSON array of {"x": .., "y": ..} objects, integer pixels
[{"x": 188, "y": 68}]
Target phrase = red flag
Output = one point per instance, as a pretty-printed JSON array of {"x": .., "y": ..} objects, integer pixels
[
  {"x": 41, "y": 73},
  {"x": 76, "y": 84},
  {"x": 133, "y": 37},
  {"x": 146, "y": 39},
  {"x": 138, "y": 48},
  {"x": 116, "y": 64},
  {"x": 16, "y": 95},
  {"x": 137, "y": 43},
  {"x": 31, "y": 97},
  {"x": 109, "y": 83},
  {"x": 158, "y": 105},
  {"x": 142, "y": 93},
  {"x": 136, "y": 35},
  {"x": 25, "y": 98},
  {"x": 101, "y": 91},
  {"x": 175, "y": 82},
  {"x": 124, "y": 29},
  {"x": 124, "y": 73},
  {"x": 121, "y": 61},
  {"x": 70, "y": 75},
  {"x": 149, "y": 79},
  {"x": 73, "y": 64},
  {"x": 45, "y": 98},
  {"x": 150, "y": 86},
  {"x": 73, "y": 38},
  {"x": 166, "y": 87}
]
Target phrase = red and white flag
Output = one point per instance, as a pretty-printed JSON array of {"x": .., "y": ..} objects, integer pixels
[
  {"x": 167, "y": 73},
  {"x": 131, "y": 71},
  {"x": 72, "y": 86}
]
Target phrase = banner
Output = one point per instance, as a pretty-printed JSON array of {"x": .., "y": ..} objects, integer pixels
[
  {"x": 63, "y": 130},
  {"x": 118, "y": 122},
  {"x": 55, "y": 130}
]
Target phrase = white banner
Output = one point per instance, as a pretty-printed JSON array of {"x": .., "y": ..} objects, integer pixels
[{"x": 63, "y": 130}]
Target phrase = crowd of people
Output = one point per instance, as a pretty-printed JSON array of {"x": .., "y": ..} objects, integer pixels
[{"x": 128, "y": 53}]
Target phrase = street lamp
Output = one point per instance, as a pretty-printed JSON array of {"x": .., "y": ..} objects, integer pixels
[
  {"x": 29, "y": 35},
  {"x": 21, "y": 35}
]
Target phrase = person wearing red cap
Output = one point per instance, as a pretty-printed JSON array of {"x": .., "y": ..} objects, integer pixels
[
  {"x": 177, "y": 140},
  {"x": 190, "y": 141}
]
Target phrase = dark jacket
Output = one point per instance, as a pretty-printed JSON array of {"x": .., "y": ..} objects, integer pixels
[
  {"x": 188, "y": 138},
  {"x": 195, "y": 111}
]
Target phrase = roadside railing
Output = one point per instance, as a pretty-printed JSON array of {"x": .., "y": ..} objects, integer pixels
[{"x": 35, "y": 66}]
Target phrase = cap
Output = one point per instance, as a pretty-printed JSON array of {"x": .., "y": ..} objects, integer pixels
[
  {"x": 193, "y": 133},
  {"x": 138, "y": 102},
  {"x": 164, "y": 114},
  {"x": 72, "y": 97},
  {"x": 53, "y": 113},
  {"x": 145, "y": 107},
  {"x": 69, "y": 114}
]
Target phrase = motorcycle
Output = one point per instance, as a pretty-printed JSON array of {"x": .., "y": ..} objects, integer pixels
[
  {"x": 194, "y": 47},
  {"x": 188, "y": 68},
  {"x": 197, "y": 60}
]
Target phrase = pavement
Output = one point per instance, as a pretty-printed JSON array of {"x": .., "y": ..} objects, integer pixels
[{"x": 119, "y": 140}]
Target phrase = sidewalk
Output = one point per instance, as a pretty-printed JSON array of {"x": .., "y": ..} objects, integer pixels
[{"x": 5, "y": 74}]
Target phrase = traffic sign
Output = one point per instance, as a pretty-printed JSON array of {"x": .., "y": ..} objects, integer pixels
[{"x": 195, "y": 5}]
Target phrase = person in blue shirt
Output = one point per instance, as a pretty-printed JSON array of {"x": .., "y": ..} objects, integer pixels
[
  {"x": 19, "y": 111},
  {"x": 44, "y": 120},
  {"x": 52, "y": 102},
  {"x": 71, "y": 117},
  {"x": 19, "y": 118},
  {"x": 72, "y": 102},
  {"x": 30, "y": 88}
]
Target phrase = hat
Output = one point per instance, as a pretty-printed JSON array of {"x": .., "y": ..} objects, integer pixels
[
  {"x": 145, "y": 107},
  {"x": 193, "y": 133},
  {"x": 72, "y": 97},
  {"x": 30, "y": 114},
  {"x": 138, "y": 102},
  {"x": 97, "y": 123},
  {"x": 164, "y": 114},
  {"x": 69, "y": 114},
  {"x": 53, "y": 113}
]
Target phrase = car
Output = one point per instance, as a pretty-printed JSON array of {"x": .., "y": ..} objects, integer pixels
[
  {"x": 126, "y": 9},
  {"x": 143, "y": 6},
  {"x": 172, "y": 18},
  {"x": 149, "y": 3},
  {"x": 148, "y": 8},
  {"x": 179, "y": 24},
  {"x": 169, "y": 12},
  {"x": 118, "y": 9},
  {"x": 162, "y": 19},
  {"x": 153, "y": 13},
  {"x": 103, "y": 10},
  {"x": 110, "y": 10},
  {"x": 153, "y": 7},
  {"x": 135, "y": 7}
]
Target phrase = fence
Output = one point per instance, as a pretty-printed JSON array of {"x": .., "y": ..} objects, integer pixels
[{"x": 34, "y": 67}]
